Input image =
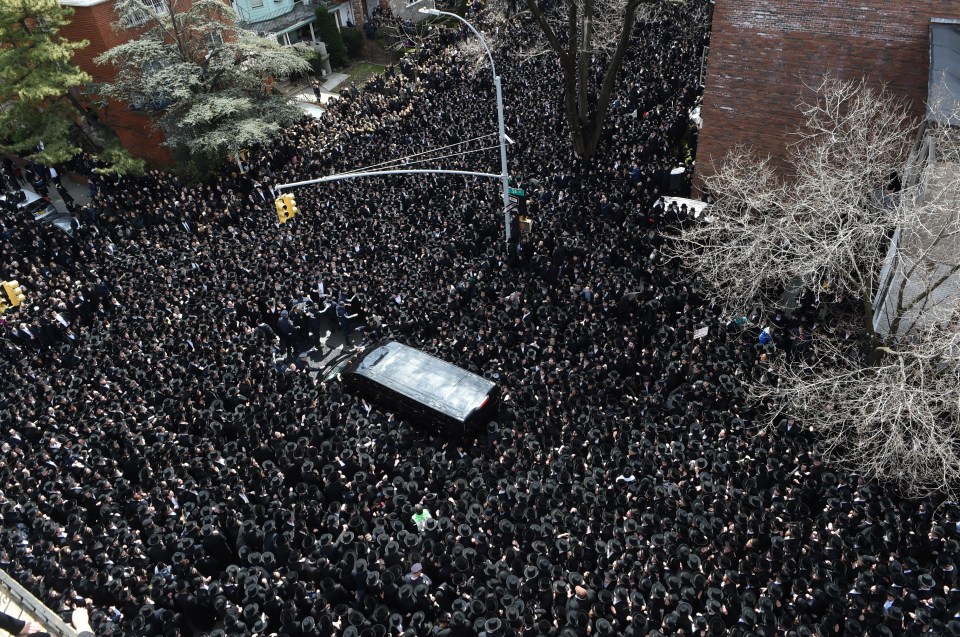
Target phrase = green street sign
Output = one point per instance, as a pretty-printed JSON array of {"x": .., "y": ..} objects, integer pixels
[{"x": 518, "y": 193}]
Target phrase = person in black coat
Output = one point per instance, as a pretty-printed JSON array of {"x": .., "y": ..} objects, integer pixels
[{"x": 16, "y": 626}]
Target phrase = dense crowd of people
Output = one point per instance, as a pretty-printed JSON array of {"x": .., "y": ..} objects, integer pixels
[{"x": 166, "y": 457}]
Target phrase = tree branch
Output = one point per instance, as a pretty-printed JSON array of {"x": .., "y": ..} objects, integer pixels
[{"x": 548, "y": 31}]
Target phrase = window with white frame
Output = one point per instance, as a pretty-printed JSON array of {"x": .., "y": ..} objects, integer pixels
[
  {"x": 213, "y": 38},
  {"x": 143, "y": 12}
]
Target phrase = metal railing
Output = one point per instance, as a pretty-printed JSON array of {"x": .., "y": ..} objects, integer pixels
[{"x": 17, "y": 601}]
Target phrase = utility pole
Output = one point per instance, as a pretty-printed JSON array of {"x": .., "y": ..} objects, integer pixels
[{"x": 503, "y": 176}]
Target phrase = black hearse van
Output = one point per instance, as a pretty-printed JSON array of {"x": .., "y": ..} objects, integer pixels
[{"x": 435, "y": 394}]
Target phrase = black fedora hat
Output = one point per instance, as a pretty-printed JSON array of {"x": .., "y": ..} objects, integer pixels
[{"x": 604, "y": 627}]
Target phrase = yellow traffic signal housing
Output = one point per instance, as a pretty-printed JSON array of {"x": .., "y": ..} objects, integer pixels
[
  {"x": 281, "y": 204},
  {"x": 286, "y": 208},
  {"x": 292, "y": 209},
  {"x": 14, "y": 293}
]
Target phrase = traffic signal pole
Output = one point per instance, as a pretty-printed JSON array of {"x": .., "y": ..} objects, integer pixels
[
  {"x": 380, "y": 173},
  {"x": 279, "y": 188},
  {"x": 503, "y": 177}
]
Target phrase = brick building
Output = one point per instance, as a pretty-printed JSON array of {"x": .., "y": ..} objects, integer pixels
[
  {"x": 94, "y": 20},
  {"x": 762, "y": 52}
]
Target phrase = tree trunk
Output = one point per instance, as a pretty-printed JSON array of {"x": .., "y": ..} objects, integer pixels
[
  {"x": 583, "y": 137},
  {"x": 586, "y": 116},
  {"x": 874, "y": 354}
]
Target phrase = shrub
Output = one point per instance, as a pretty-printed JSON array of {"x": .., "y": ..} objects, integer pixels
[
  {"x": 330, "y": 34},
  {"x": 354, "y": 41},
  {"x": 316, "y": 62}
]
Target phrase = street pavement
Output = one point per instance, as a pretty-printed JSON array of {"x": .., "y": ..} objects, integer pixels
[
  {"x": 304, "y": 96},
  {"x": 77, "y": 187}
]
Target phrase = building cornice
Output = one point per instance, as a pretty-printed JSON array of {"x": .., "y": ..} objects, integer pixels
[{"x": 83, "y": 3}]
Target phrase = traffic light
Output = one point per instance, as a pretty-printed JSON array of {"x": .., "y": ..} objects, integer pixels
[
  {"x": 292, "y": 209},
  {"x": 14, "y": 293},
  {"x": 514, "y": 227},
  {"x": 286, "y": 207}
]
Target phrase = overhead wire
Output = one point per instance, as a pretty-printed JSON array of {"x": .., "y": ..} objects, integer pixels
[
  {"x": 421, "y": 161},
  {"x": 398, "y": 161}
]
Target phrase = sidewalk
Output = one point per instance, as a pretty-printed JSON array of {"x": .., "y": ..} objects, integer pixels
[
  {"x": 79, "y": 190},
  {"x": 303, "y": 93},
  {"x": 77, "y": 186}
]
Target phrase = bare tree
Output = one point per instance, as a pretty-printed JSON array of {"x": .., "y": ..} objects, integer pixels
[
  {"x": 885, "y": 400},
  {"x": 590, "y": 39},
  {"x": 826, "y": 226},
  {"x": 894, "y": 421},
  {"x": 400, "y": 34}
]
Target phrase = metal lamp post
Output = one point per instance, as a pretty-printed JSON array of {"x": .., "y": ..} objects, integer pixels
[{"x": 504, "y": 175}]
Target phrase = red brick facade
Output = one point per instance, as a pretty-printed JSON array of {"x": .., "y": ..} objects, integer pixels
[
  {"x": 94, "y": 22},
  {"x": 762, "y": 52}
]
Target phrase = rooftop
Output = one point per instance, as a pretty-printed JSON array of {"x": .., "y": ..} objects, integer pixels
[{"x": 288, "y": 21}]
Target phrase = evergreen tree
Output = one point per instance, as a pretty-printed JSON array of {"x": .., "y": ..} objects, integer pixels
[
  {"x": 36, "y": 75},
  {"x": 208, "y": 79},
  {"x": 331, "y": 36},
  {"x": 42, "y": 119}
]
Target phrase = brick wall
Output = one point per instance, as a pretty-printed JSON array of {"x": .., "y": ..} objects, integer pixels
[
  {"x": 762, "y": 52},
  {"x": 95, "y": 23}
]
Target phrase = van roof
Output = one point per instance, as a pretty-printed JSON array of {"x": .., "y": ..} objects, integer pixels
[{"x": 442, "y": 386}]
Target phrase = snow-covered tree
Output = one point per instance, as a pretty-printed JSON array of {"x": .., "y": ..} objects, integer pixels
[{"x": 208, "y": 80}]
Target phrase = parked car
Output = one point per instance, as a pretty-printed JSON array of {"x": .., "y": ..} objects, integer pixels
[
  {"x": 31, "y": 202},
  {"x": 39, "y": 206}
]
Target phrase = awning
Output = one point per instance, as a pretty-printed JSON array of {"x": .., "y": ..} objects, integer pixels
[{"x": 290, "y": 21}]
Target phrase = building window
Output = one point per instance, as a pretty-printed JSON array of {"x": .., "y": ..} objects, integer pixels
[
  {"x": 213, "y": 38},
  {"x": 147, "y": 10},
  {"x": 256, "y": 4},
  {"x": 154, "y": 101}
]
